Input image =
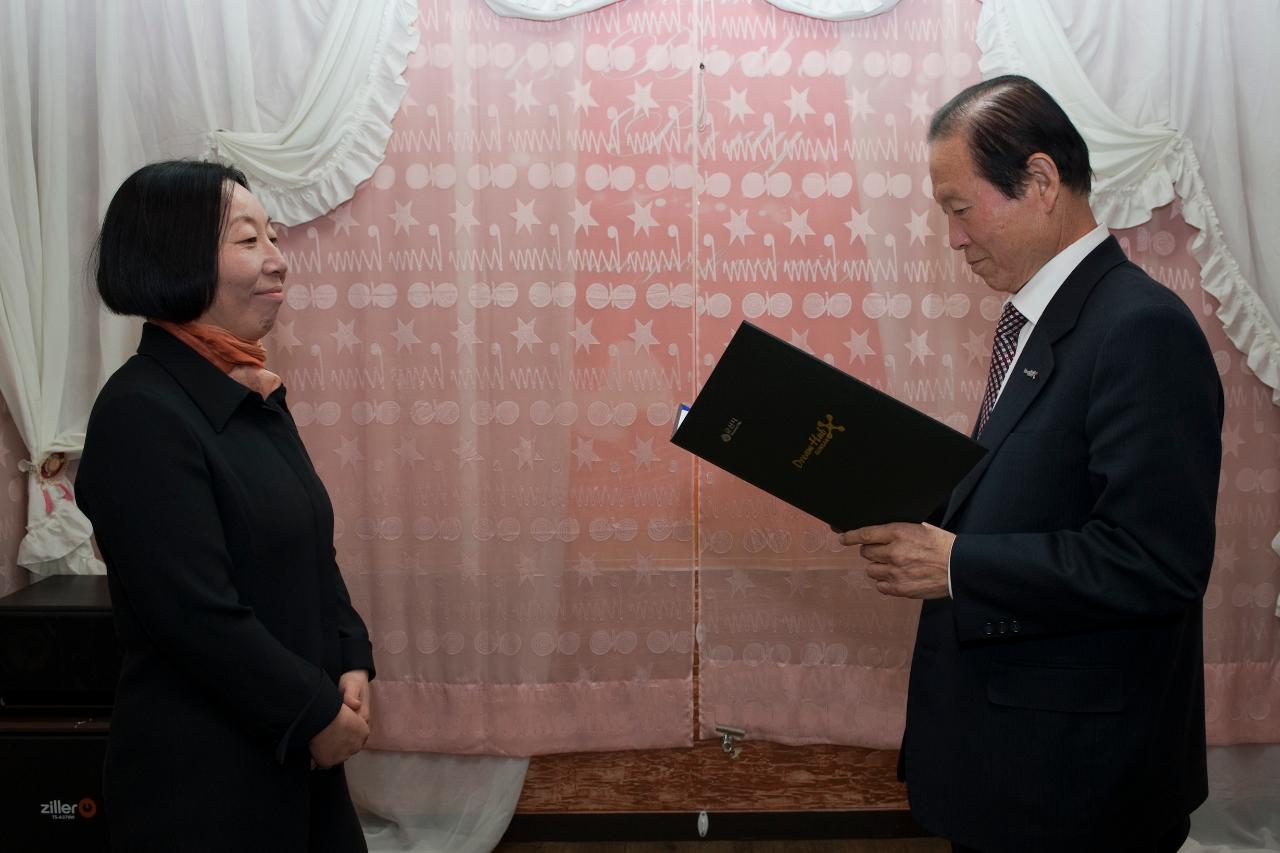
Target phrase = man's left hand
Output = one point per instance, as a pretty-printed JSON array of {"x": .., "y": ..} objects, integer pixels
[{"x": 907, "y": 560}]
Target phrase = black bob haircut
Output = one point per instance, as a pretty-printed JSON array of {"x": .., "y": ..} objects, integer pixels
[
  {"x": 1007, "y": 119},
  {"x": 157, "y": 252}
]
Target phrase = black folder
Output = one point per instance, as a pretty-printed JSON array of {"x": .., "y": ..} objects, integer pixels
[{"x": 820, "y": 439}]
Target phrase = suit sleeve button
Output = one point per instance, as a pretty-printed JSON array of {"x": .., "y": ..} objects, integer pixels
[
  {"x": 1002, "y": 627},
  {"x": 988, "y": 629},
  {"x": 1015, "y": 626}
]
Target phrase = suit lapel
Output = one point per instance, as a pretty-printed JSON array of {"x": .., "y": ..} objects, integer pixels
[{"x": 1030, "y": 374}]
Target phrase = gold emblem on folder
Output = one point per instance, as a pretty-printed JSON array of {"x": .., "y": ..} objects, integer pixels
[{"x": 818, "y": 440}]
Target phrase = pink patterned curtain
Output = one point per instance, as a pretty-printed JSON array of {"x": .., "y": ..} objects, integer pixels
[
  {"x": 484, "y": 349},
  {"x": 1241, "y": 628},
  {"x": 488, "y": 342},
  {"x": 828, "y": 236}
]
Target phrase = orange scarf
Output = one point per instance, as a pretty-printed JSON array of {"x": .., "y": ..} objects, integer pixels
[{"x": 242, "y": 360}]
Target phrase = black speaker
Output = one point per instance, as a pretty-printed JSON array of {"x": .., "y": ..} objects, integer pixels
[
  {"x": 58, "y": 649},
  {"x": 51, "y": 785}
]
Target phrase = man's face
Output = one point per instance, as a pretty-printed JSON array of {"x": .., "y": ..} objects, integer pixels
[{"x": 1000, "y": 236}]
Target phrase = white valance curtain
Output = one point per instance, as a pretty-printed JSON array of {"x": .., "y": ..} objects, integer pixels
[
  {"x": 300, "y": 95},
  {"x": 1172, "y": 99},
  {"x": 836, "y": 10},
  {"x": 828, "y": 10},
  {"x": 545, "y": 10}
]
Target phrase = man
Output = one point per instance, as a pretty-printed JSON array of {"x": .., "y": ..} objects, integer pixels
[{"x": 1056, "y": 699}]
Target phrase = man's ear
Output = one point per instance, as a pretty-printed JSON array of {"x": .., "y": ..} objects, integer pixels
[{"x": 1043, "y": 181}]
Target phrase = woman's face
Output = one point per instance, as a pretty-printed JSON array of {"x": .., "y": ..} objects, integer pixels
[{"x": 251, "y": 271}]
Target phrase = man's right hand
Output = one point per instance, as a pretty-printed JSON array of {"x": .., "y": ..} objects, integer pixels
[{"x": 339, "y": 740}]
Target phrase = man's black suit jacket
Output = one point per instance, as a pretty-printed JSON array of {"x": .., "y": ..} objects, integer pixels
[
  {"x": 233, "y": 618},
  {"x": 1057, "y": 701}
]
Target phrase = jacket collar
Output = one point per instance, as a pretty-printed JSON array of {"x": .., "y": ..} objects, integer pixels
[
  {"x": 215, "y": 393},
  {"x": 1064, "y": 309},
  {"x": 1035, "y": 365}
]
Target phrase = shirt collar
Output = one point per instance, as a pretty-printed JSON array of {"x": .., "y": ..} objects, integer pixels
[
  {"x": 1035, "y": 295},
  {"x": 215, "y": 393}
]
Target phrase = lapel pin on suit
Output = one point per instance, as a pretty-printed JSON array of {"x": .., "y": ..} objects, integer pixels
[{"x": 1031, "y": 374}]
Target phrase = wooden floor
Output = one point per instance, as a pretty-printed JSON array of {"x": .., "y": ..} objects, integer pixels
[
  {"x": 765, "y": 777},
  {"x": 901, "y": 845}
]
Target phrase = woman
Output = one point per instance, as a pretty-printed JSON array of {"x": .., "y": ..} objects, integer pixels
[{"x": 244, "y": 683}]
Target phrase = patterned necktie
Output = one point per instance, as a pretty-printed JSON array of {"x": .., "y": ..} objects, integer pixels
[{"x": 1002, "y": 350}]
